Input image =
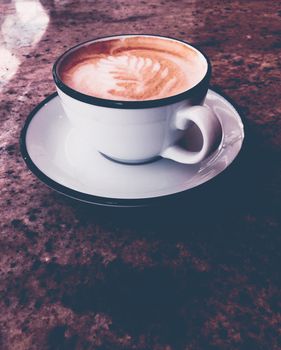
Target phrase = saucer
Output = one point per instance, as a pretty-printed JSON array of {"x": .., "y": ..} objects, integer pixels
[{"x": 59, "y": 158}]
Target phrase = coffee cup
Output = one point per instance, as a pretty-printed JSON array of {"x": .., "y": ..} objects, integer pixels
[{"x": 132, "y": 97}]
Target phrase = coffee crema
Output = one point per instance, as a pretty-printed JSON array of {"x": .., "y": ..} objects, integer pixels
[{"x": 133, "y": 68}]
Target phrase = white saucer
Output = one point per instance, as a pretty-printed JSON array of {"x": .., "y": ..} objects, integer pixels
[{"x": 57, "y": 157}]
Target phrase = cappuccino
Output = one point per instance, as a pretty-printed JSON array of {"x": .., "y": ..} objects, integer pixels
[{"x": 133, "y": 68}]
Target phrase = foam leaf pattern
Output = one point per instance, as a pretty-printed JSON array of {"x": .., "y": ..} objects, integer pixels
[{"x": 137, "y": 77}]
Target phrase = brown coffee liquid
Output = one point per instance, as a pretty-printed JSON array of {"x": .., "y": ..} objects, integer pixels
[{"x": 133, "y": 68}]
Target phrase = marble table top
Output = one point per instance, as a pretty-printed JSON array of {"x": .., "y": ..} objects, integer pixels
[{"x": 202, "y": 273}]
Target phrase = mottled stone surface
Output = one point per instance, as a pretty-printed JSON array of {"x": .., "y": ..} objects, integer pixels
[{"x": 203, "y": 273}]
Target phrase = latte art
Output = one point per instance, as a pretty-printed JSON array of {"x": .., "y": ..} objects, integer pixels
[
  {"x": 132, "y": 70},
  {"x": 127, "y": 77},
  {"x": 132, "y": 77}
]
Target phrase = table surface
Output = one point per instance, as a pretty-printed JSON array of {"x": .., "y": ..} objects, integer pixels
[{"x": 199, "y": 273}]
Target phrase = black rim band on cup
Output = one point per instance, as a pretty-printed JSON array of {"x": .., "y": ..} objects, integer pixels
[{"x": 193, "y": 92}]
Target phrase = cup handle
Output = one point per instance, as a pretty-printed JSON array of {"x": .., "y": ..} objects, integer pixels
[{"x": 209, "y": 127}]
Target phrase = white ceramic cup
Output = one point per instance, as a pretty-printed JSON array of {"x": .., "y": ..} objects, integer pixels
[{"x": 140, "y": 131}]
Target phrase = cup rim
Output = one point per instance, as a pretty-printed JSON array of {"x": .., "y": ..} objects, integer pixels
[{"x": 121, "y": 104}]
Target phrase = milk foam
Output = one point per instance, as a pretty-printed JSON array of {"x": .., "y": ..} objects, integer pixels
[{"x": 134, "y": 69}]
